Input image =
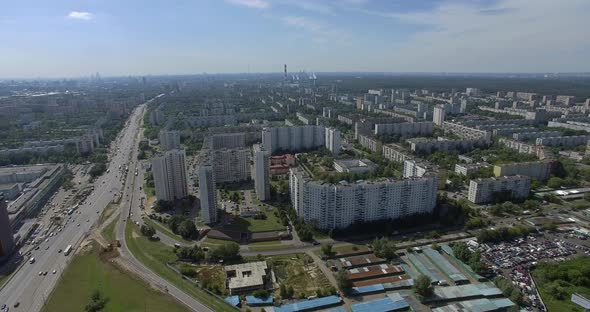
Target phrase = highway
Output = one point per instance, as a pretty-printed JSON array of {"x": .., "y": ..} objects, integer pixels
[
  {"x": 130, "y": 209},
  {"x": 26, "y": 286}
]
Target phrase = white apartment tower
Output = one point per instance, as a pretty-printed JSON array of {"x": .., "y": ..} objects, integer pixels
[
  {"x": 170, "y": 175},
  {"x": 261, "y": 172},
  {"x": 169, "y": 140},
  {"x": 333, "y": 140},
  {"x": 439, "y": 115},
  {"x": 230, "y": 165},
  {"x": 208, "y": 194}
]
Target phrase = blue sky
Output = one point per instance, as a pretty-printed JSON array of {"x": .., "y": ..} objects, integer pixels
[{"x": 65, "y": 38}]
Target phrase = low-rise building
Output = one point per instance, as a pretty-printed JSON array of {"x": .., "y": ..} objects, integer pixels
[
  {"x": 354, "y": 165},
  {"x": 370, "y": 143},
  {"x": 395, "y": 153},
  {"x": 467, "y": 169},
  {"x": 248, "y": 277}
]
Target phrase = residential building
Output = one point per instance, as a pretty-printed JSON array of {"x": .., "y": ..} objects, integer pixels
[
  {"x": 170, "y": 178},
  {"x": 293, "y": 139},
  {"x": 405, "y": 129},
  {"x": 395, "y": 153},
  {"x": 370, "y": 143},
  {"x": 429, "y": 146},
  {"x": 567, "y": 141},
  {"x": 467, "y": 169},
  {"x": 483, "y": 191},
  {"x": 523, "y": 136},
  {"x": 208, "y": 194},
  {"x": 332, "y": 140},
  {"x": 6, "y": 235},
  {"x": 539, "y": 170},
  {"x": 227, "y": 140},
  {"x": 418, "y": 168},
  {"x": 169, "y": 140},
  {"x": 261, "y": 172},
  {"x": 472, "y": 92},
  {"x": 438, "y": 116},
  {"x": 340, "y": 205},
  {"x": 230, "y": 165}
]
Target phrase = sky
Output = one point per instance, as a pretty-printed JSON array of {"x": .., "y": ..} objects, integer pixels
[{"x": 73, "y": 38}]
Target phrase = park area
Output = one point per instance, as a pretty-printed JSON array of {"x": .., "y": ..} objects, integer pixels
[{"x": 90, "y": 272}]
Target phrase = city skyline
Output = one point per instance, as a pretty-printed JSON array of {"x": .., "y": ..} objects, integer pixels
[{"x": 70, "y": 39}]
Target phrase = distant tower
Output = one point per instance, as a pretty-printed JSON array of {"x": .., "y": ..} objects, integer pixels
[{"x": 285, "y": 72}]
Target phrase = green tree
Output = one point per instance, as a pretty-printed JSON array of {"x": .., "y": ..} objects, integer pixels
[
  {"x": 327, "y": 249},
  {"x": 147, "y": 230},
  {"x": 423, "y": 286},
  {"x": 384, "y": 248},
  {"x": 342, "y": 279},
  {"x": 97, "y": 303},
  {"x": 187, "y": 229}
]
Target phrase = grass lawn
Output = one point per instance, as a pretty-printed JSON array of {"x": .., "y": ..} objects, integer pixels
[
  {"x": 272, "y": 223},
  {"x": 88, "y": 273},
  {"x": 155, "y": 255},
  {"x": 212, "y": 276},
  {"x": 164, "y": 229},
  {"x": 299, "y": 271},
  {"x": 351, "y": 247},
  {"x": 109, "y": 210},
  {"x": 109, "y": 231},
  {"x": 545, "y": 284},
  {"x": 214, "y": 242}
]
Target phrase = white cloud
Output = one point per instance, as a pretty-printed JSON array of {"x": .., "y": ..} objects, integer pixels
[
  {"x": 256, "y": 4},
  {"x": 508, "y": 36},
  {"x": 81, "y": 15}
]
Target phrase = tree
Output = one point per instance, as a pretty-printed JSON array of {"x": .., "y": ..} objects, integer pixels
[
  {"x": 327, "y": 249},
  {"x": 342, "y": 279},
  {"x": 283, "y": 291},
  {"x": 423, "y": 286},
  {"x": 97, "y": 303},
  {"x": 261, "y": 293},
  {"x": 225, "y": 252},
  {"x": 550, "y": 227},
  {"x": 384, "y": 248},
  {"x": 194, "y": 253},
  {"x": 187, "y": 229},
  {"x": 147, "y": 230}
]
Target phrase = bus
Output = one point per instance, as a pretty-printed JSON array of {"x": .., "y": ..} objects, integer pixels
[{"x": 68, "y": 250}]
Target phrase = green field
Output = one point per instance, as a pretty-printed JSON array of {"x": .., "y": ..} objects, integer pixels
[
  {"x": 557, "y": 282},
  {"x": 263, "y": 246},
  {"x": 299, "y": 271},
  {"x": 164, "y": 229},
  {"x": 109, "y": 231},
  {"x": 155, "y": 255},
  {"x": 272, "y": 223},
  {"x": 88, "y": 273}
]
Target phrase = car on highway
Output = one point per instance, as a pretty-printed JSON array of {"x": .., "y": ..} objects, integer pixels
[{"x": 16, "y": 304}]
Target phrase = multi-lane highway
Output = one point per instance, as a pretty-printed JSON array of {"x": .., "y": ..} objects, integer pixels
[{"x": 29, "y": 289}]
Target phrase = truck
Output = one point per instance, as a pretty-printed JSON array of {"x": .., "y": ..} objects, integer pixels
[{"x": 68, "y": 250}]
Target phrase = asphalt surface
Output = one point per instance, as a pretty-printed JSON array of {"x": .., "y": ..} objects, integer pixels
[{"x": 26, "y": 286}]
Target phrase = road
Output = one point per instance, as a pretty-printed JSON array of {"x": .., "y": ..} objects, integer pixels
[
  {"x": 130, "y": 209},
  {"x": 26, "y": 286}
]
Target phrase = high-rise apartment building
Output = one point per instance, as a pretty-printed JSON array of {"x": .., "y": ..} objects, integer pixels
[
  {"x": 340, "y": 205},
  {"x": 230, "y": 165},
  {"x": 6, "y": 236},
  {"x": 170, "y": 175},
  {"x": 207, "y": 194},
  {"x": 482, "y": 191},
  {"x": 333, "y": 141},
  {"x": 293, "y": 139},
  {"x": 227, "y": 140},
  {"x": 169, "y": 140},
  {"x": 261, "y": 172},
  {"x": 439, "y": 115}
]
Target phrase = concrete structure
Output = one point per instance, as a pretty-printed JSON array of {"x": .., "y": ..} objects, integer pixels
[
  {"x": 566, "y": 141},
  {"x": 467, "y": 169},
  {"x": 340, "y": 205},
  {"x": 526, "y": 148},
  {"x": 523, "y": 136},
  {"x": 439, "y": 115},
  {"x": 230, "y": 165},
  {"x": 482, "y": 191},
  {"x": 261, "y": 172},
  {"x": 418, "y": 168},
  {"x": 405, "y": 129},
  {"x": 6, "y": 235},
  {"x": 170, "y": 175},
  {"x": 466, "y": 131},
  {"x": 428, "y": 146},
  {"x": 227, "y": 140},
  {"x": 370, "y": 143},
  {"x": 248, "y": 277},
  {"x": 354, "y": 165},
  {"x": 208, "y": 194},
  {"x": 472, "y": 92},
  {"x": 333, "y": 140},
  {"x": 169, "y": 140},
  {"x": 395, "y": 153},
  {"x": 293, "y": 139},
  {"x": 539, "y": 170}
]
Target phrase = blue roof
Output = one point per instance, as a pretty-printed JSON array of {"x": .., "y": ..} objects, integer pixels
[
  {"x": 380, "y": 305},
  {"x": 309, "y": 304},
  {"x": 355, "y": 291},
  {"x": 251, "y": 300},
  {"x": 233, "y": 300}
]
